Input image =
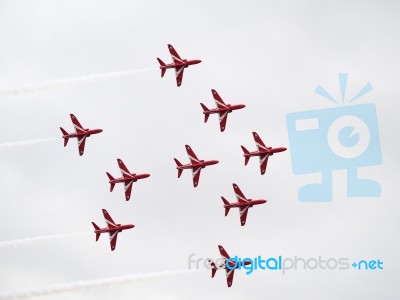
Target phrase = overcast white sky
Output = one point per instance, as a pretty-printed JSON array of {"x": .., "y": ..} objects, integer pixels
[{"x": 269, "y": 55}]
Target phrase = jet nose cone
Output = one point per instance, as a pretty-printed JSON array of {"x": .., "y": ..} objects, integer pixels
[
  {"x": 131, "y": 226},
  {"x": 146, "y": 175}
]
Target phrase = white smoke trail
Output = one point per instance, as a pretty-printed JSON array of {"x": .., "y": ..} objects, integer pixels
[
  {"x": 87, "y": 284},
  {"x": 12, "y": 145},
  {"x": 27, "y": 241},
  {"x": 66, "y": 82}
]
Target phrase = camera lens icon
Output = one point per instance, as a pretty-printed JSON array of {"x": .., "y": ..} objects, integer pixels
[
  {"x": 337, "y": 138},
  {"x": 348, "y": 136}
]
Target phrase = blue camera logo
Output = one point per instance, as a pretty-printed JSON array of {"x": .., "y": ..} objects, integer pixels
[{"x": 343, "y": 137}]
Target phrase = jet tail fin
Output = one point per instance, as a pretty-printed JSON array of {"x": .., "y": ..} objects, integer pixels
[
  {"x": 112, "y": 184},
  {"x": 162, "y": 65},
  {"x": 178, "y": 165},
  {"x": 226, "y": 208},
  {"x": 246, "y": 158},
  {"x": 206, "y": 114},
  {"x": 64, "y": 134},
  {"x": 213, "y": 269},
  {"x": 97, "y": 233}
]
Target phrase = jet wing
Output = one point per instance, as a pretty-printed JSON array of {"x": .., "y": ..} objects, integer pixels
[
  {"x": 81, "y": 144},
  {"x": 243, "y": 214},
  {"x": 77, "y": 125},
  {"x": 260, "y": 144},
  {"x": 192, "y": 157},
  {"x": 124, "y": 170},
  {"x": 175, "y": 56},
  {"x": 113, "y": 239},
  {"x": 229, "y": 276},
  {"x": 128, "y": 189},
  {"x": 229, "y": 273},
  {"x": 263, "y": 162},
  {"x": 223, "y": 253},
  {"x": 179, "y": 75},
  {"x": 239, "y": 195},
  {"x": 196, "y": 176},
  {"x": 218, "y": 100},
  {"x": 223, "y": 116},
  {"x": 110, "y": 222}
]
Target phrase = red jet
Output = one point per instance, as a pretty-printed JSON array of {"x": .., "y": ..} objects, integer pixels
[
  {"x": 222, "y": 110},
  {"x": 229, "y": 273},
  {"x": 112, "y": 228},
  {"x": 243, "y": 204},
  {"x": 81, "y": 134},
  {"x": 195, "y": 164},
  {"x": 127, "y": 178},
  {"x": 263, "y": 152},
  {"x": 178, "y": 64}
]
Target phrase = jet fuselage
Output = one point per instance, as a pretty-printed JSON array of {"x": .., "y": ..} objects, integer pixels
[
  {"x": 202, "y": 164},
  {"x": 134, "y": 178},
  {"x": 228, "y": 109},
  {"x": 118, "y": 228},
  {"x": 186, "y": 63},
  {"x": 244, "y": 204},
  {"x": 87, "y": 133},
  {"x": 269, "y": 151}
]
